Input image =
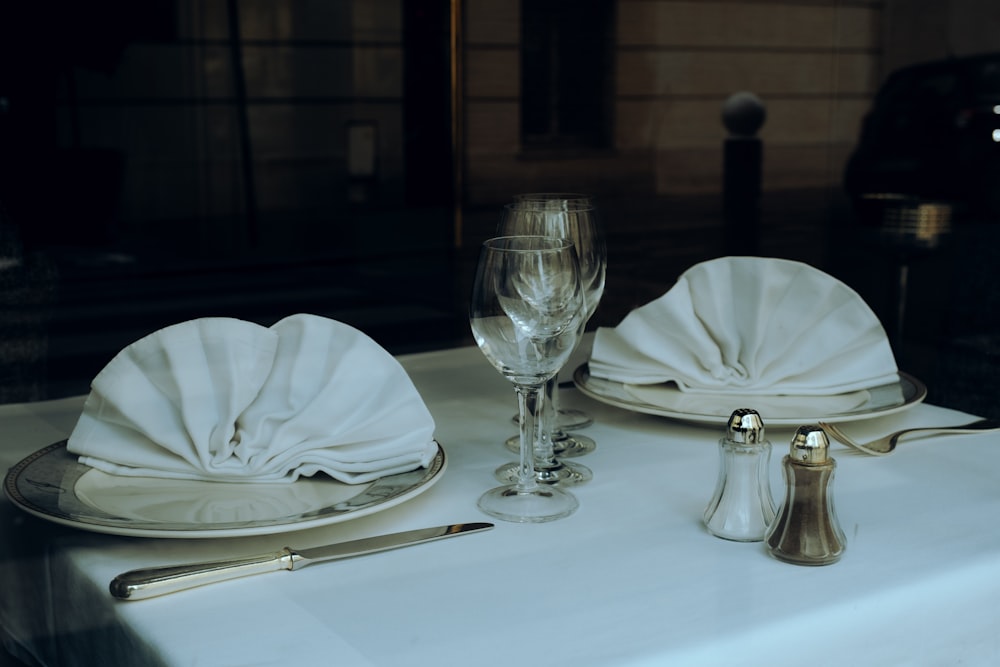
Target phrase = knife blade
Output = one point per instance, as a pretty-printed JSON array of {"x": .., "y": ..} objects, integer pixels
[{"x": 152, "y": 581}]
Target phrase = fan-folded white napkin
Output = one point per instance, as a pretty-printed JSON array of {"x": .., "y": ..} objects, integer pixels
[
  {"x": 222, "y": 399},
  {"x": 750, "y": 325}
]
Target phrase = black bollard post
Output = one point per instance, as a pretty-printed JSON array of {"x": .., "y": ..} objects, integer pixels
[{"x": 743, "y": 114}]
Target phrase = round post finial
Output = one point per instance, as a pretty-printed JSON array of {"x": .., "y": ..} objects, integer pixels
[{"x": 743, "y": 114}]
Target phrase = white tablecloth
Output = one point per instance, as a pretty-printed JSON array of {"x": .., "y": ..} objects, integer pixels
[{"x": 632, "y": 578}]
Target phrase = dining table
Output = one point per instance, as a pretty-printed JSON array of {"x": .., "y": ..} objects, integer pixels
[{"x": 633, "y": 577}]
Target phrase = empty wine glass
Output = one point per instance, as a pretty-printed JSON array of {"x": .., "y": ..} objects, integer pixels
[
  {"x": 525, "y": 314},
  {"x": 593, "y": 261},
  {"x": 572, "y": 216}
]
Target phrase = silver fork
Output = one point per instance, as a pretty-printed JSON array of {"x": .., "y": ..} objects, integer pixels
[{"x": 886, "y": 444}]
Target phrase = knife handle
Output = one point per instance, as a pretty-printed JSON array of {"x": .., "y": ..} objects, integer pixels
[{"x": 153, "y": 581}]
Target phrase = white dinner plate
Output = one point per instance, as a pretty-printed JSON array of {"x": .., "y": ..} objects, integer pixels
[
  {"x": 666, "y": 400},
  {"x": 53, "y": 485}
]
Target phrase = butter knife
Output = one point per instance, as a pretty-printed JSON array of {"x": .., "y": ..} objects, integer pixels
[{"x": 153, "y": 581}]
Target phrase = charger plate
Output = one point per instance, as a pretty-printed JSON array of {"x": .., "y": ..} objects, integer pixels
[
  {"x": 53, "y": 485},
  {"x": 666, "y": 400}
]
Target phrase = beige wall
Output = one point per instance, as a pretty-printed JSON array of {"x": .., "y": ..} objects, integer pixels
[
  {"x": 495, "y": 166},
  {"x": 814, "y": 64},
  {"x": 312, "y": 66}
]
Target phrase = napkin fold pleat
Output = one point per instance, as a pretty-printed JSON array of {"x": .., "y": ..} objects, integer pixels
[
  {"x": 750, "y": 325},
  {"x": 226, "y": 400},
  {"x": 174, "y": 388}
]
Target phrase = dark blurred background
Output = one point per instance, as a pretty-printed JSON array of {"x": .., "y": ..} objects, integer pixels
[{"x": 173, "y": 159}]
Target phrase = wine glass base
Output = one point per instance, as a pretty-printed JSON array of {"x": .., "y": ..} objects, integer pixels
[
  {"x": 565, "y": 445},
  {"x": 560, "y": 473},
  {"x": 541, "y": 504},
  {"x": 568, "y": 420}
]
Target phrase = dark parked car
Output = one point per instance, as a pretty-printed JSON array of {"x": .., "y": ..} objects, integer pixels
[{"x": 933, "y": 134}]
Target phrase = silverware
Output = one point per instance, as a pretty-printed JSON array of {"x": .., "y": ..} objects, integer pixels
[
  {"x": 886, "y": 444},
  {"x": 153, "y": 581}
]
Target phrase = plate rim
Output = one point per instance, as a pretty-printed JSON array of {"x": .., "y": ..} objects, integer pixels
[
  {"x": 70, "y": 467},
  {"x": 919, "y": 395}
]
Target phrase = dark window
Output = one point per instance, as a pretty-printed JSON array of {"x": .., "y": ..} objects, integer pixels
[{"x": 566, "y": 73}]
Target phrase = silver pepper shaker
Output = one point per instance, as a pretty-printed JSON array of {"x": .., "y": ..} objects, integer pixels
[
  {"x": 806, "y": 530},
  {"x": 742, "y": 506}
]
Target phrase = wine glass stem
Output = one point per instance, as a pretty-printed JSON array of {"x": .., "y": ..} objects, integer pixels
[
  {"x": 544, "y": 448},
  {"x": 552, "y": 395},
  {"x": 529, "y": 400}
]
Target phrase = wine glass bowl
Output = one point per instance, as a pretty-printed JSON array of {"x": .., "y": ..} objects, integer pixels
[
  {"x": 569, "y": 216},
  {"x": 536, "y": 298},
  {"x": 525, "y": 314}
]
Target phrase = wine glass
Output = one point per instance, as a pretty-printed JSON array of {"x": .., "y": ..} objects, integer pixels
[
  {"x": 572, "y": 216},
  {"x": 525, "y": 314},
  {"x": 593, "y": 261}
]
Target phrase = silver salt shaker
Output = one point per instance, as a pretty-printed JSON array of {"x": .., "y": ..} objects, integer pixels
[{"x": 742, "y": 507}]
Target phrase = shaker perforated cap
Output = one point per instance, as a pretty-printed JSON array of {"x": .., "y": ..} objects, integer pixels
[
  {"x": 810, "y": 445},
  {"x": 746, "y": 426}
]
